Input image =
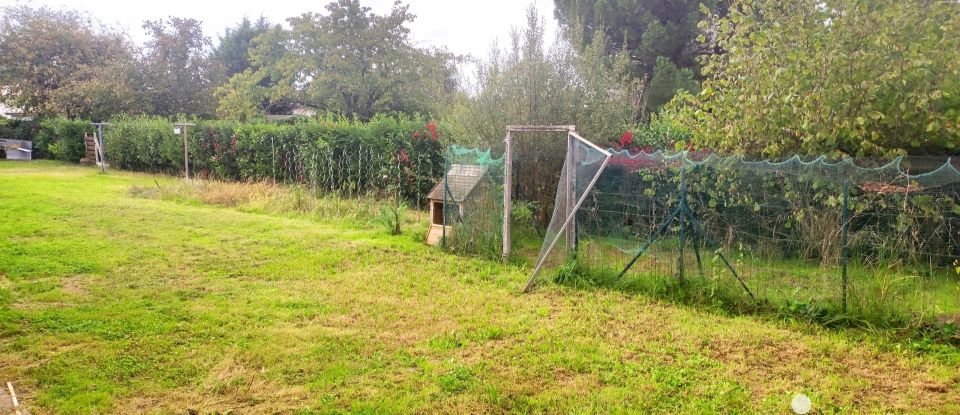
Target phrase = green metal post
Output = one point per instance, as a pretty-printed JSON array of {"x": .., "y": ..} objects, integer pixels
[
  {"x": 443, "y": 209},
  {"x": 684, "y": 214},
  {"x": 844, "y": 232}
]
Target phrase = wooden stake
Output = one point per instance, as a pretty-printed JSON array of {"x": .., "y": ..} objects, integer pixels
[
  {"x": 507, "y": 192},
  {"x": 13, "y": 397},
  {"x": 186, "y": 154}
]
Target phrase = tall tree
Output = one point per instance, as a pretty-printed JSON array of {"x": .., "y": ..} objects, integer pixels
[
  {"x": 529, "y": 83},
  {"x": 233, "y": 51},
  {"x": 60, "y": 62},
  {"x": 348, "y": 60},
  {"x": 659, "y": 35},
  {"x": 179, "y": 73}
]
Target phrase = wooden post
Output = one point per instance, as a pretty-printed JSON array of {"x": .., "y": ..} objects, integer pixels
[
  {"x": 13, "y": 398},
  {"x": 507, "y": 192},
  {"x": 103, "y": 162},
  {"x": 186, "y": 154},
  {"x": 184, "y": 129}
]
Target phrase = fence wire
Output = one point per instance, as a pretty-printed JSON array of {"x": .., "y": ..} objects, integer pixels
[{"x": 865, "y": 236}]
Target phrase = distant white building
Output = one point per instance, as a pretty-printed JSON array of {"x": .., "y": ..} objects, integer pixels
[
  {"x": 12, "y": 113},
  {"x": 304, "y": 111}
]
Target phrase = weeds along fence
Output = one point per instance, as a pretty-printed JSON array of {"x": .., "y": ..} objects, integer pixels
[
  {"x": 875, "y": 239},
  {"x": 387, "y": 155}
]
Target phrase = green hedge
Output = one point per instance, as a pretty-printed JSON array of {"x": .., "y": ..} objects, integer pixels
[
  {"x": 61, "y": 139},
  {"x": 398, "y": 155}
]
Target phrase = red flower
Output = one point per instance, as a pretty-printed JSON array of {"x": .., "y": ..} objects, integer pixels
[
  {"x": 416, "y": 135},
  {"x": 626, "y": 139},
  {"x": 433, "y": 130},
  {"x": 403, "y": 156}
]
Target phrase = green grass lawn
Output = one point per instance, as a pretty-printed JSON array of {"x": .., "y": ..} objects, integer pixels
[{"x": 111, "y": 303}]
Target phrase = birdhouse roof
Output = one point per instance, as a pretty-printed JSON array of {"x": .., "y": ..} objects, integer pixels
[{"x": 461, "y": 179}]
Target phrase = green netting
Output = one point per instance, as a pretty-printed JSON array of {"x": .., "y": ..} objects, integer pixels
[
  {"x": 472, "y": 201},
  {"x": 874, "y": 237}
]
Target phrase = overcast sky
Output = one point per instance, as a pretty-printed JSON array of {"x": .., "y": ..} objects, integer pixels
[{"x": 463, "y": 26}]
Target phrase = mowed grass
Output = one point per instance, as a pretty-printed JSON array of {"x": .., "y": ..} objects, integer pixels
[{"x": 111, "y": 303}]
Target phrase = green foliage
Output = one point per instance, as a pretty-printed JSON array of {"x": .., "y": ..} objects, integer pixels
[
  {"x": 61, "y": 139},
  {"x": 143, "y": 144},
  {"x": 527, "y": 84},
  {"x": 179, "y": 74},
  {"x": 233, "y": 50},
  {"x": 852, "y": 77},
  {"x": 349, "y": 61},
  {"x": 19, "y": 129},
  {"x": 391, "y": 217},
  {"x": 87, "y": 78},
  {"x": 661, "y": 132},
  {"x": 666, "y": 80},
  {"x": 659, "y": 36},
  {"x": 387, "y": 155}
]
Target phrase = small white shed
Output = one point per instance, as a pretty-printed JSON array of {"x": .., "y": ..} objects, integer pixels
[{"x": 17, "y": 149}]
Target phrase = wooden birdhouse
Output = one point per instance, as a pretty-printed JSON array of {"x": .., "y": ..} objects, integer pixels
[{"x": 452, "y": 197}]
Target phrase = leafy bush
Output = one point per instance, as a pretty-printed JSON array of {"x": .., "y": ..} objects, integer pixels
[
  {"x": 396, "y": 155},
  {"x": 392, "y": 217},
  {"x": 61, "y": 139},
  {"x": 19, "y": 129},
  {"x": 844, "y": 78},
  {"x": 662, "y": 132},
  {"x": 143, "y": 144}
]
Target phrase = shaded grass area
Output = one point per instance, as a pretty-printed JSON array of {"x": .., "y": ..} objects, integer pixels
[{"x": 120, "y": 303}]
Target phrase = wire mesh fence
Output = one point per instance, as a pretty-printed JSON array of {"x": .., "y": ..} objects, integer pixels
[
  {"x": 877, "y": 239},
  {"x": 472, "y": 201}
]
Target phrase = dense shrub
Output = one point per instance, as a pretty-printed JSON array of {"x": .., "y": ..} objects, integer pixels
[
  {"x": 397, "y": 156},
  {"x": 61, "y": 139},
  {"x": 661, "y": 133},
  {"x": 143, "y": 144},
  {"x": 19, "y": 130}
]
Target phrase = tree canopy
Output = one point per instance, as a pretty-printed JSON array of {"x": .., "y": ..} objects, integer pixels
[
  {"x": 348, "y": 60},
  {"x": 844, "y": 77},
  {"x": 233, "y": 50},
  {"x": 659, "y": 36},
  {"x": 61, "y": 62},
  {"x": 528, "y": 83},
  {"x": 179, "y": 73}
]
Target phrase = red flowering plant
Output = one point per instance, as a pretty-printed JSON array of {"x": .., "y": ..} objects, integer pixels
[{"x": 626, "y": 139}]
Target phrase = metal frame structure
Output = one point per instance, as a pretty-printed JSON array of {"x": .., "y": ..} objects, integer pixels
[
  {"x": 572, "y": 203},
  {"x": 569, "y": 227},
  {"x": 508, "y": 170},
  {"x": 98, "y": 146},
  {"x": 688, "y": 222}
]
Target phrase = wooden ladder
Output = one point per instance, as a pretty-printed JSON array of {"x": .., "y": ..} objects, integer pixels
[{"x": 90, "y": 143}]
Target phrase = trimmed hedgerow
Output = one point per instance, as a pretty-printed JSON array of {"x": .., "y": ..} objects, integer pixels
[{"x": 388, "y": 155}]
